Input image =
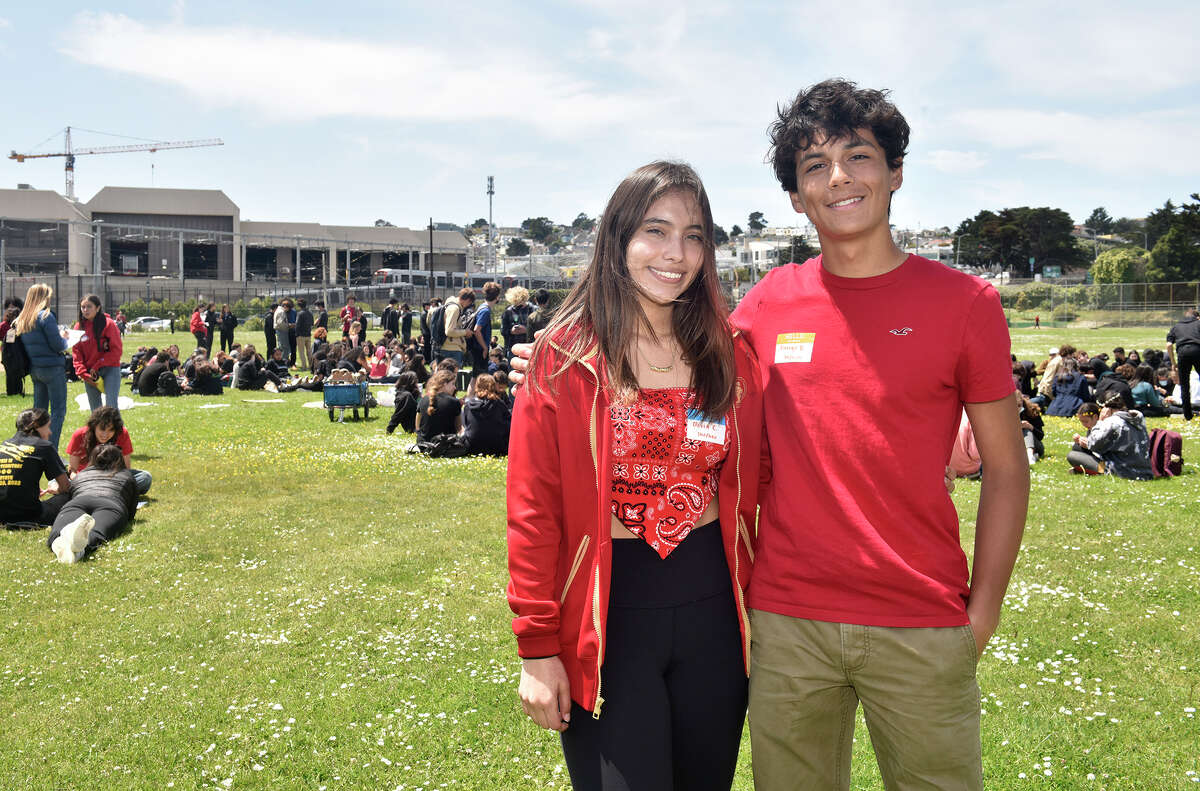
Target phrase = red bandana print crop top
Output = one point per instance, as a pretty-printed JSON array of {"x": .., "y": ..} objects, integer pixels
[{"x": 666, "y": 461}]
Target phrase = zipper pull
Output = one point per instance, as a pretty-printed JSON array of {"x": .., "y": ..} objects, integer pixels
[{"x": 596, "y": 710}]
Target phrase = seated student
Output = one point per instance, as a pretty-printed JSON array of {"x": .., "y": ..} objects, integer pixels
[
  {"x": 1033, "y": 428},
  {"x": 251, "y": 374},
  {"x": 206, "y": 380},
  {"x": 147, "y": 381},
  {"x": 405, "y": 412},
  {"x": 356, "y": 337},
  {"x": 502, "y": 384},
  {"x": 377, "y": 363},
  {"x": 189, "y": 367},
  {"x": 1070, "y": 390},
  {"x": 319, "y": 339},
  {"x": 486, "y": 418},
  {"x": 173, "y": 358},
  {"x": 321, "y": 363},
  {"x": 416, "y": 364},
  {"x": 103, "y": 501},
  {"x": 25, "y": 459},
  {"x": 438, "y": 411},
  {"x": 354, "y": 359},
  {"x": 497, "y": 360},
  {"x": 277, "y": 364},
  {"x": 1115, "y": 382},
  {"x": 1117, "y": 442},
  {"x": 965, "y": 460},
  {"x": 104, "y": 427},
  {"x": 1174, "y": 402},
  {"x": 1145, "y": 398}
]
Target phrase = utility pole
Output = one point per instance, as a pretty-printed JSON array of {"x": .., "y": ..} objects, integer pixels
[
  {"x": 491, "y": 230},
  {"x": 431, "y": 257}
]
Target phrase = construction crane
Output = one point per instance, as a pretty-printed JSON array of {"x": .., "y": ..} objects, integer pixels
[{"x": 71, "y": 153}]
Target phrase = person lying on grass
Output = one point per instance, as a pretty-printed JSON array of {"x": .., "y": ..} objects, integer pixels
[
  {"x": 104, "y": 427},
  {"x": 103, "y": 501}
]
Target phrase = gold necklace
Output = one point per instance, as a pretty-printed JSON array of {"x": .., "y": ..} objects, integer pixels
[{"x": 658, "y": 369}]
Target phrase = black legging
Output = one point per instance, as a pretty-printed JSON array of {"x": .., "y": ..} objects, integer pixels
[
  {"x": 674, "y": 680},
  {"x": 109, "y": 514},
  {"x": 1187, "y": 359}
]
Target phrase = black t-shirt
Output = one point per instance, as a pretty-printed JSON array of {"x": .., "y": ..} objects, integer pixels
[
  {"x": 24, "y": 461},
  {"x": 1185, "y": 335},
  {"x": 445, "y": 409}
]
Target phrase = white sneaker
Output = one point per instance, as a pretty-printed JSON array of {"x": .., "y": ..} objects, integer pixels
[{"x": 72, "y": 541}]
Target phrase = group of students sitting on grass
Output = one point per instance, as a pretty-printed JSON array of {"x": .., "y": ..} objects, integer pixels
[
  {"x": 1111, "y": 397},
  {"x": 1070, "y": 377},
  {"x": 477, "y": 424},
  {"x": 88, "y": 500}
]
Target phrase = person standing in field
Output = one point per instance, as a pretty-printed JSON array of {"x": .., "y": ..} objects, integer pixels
[
  {"x": 304, "y": 329},
  {"x": 1183, "y": 347},
  {"x": 860, "y": 589}
]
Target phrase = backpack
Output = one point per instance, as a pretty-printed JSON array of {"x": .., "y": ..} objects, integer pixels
[
  {"x": 168, "y": 385},
  {"x": 437, "y": 326},
  {"x": 21, "y": 363},
  {"x": 1166, "y": 453},
  {"x": 442, "y": 446}
]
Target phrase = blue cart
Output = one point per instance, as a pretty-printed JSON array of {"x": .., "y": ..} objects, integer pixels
[{"x": 348, "y": 395}]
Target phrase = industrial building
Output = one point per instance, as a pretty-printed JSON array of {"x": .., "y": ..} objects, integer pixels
[{"x": 161, "y": 234}]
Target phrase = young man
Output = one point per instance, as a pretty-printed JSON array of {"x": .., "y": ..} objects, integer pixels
[
  {"x": 860, "y": 590},
  {"x": 482, "y": 332},
  {"x": 304, "y": 328},
  {"x": 405, "y": 324},
  {"x": 283, "y": 326},
  {"x": 455, "y": 345},
  {"x": 1183, "y": 347}
]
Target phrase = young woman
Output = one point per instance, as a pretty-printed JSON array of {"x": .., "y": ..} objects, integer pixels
[
  {"x": 104, "y": 427},
  {"x": 250, "y": 373},
  {"x": 199, "y": 328},
  {"x": 486, "y": 418},
  {"x": 103, "y": 501},
  {"x": 633, "y": 471},
  {"x": 97, "y": 355},
  {"x": 438, "y": 411},
  {"x": 1145, "y": 397},
  {"x": 29, "y": 458},
  {"x": 45, "y": 343},
  {"x": 319, "y": 339},
  {"x": 404, "y": 414},
  {"x": 355, "y": 336}
]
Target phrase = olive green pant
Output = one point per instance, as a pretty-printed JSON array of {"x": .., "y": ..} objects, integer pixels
[{"x": 918, "y": 691}]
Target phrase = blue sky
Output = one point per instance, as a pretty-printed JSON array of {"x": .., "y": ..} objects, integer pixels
[{"x": 345, "y": 112}]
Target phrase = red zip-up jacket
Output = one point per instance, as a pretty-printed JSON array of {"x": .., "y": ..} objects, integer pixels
[
  {"x": 92, "y": 354},
  {"x": 559, "y": 544}
]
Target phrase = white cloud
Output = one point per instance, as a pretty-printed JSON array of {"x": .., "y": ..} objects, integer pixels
[
  {"x": 1153, "y": 142},
  {"x": 4, "y": 23},
  {"x": 294, "y": 76},
  {"x": 948, "y": 161}
]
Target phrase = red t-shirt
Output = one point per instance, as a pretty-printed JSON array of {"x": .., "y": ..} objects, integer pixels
[
  {"x": 864, "y": 381},
  {"x": 76, "y": 445}
]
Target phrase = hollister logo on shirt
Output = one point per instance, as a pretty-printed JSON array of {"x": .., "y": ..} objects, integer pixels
[
  {"x": 702, "y": 429},
  {"x": 794, "y": 347}
]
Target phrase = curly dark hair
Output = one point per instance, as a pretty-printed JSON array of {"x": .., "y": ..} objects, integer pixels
[{"x": 834, "y": 109}]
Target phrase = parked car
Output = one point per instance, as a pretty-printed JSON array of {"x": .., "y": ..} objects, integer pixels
[
  {"x": 373, "y": 321},
  {"x": 149, "y": 324}
]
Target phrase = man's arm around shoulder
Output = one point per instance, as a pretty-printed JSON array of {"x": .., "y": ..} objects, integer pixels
[{"x": 1000, "y": 521}]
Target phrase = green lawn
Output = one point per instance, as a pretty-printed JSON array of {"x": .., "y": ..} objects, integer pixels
[{"x": 302, "y": 606}]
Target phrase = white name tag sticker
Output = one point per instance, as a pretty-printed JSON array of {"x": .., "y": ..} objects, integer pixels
[
  {"x": 703, "y": 429},
  {"x": 794, "y": 347}
]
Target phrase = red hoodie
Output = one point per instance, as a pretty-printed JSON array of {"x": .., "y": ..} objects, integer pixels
[
  {"x": 92, "y": 354},
  {"x": 559, "y": 544}
]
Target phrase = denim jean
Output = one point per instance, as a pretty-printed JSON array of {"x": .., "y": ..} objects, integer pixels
[
  {"x": 110, "y": 377},
  {"x": 453, "y": 354},
  {"x": 50, "y": 391},
  {"x": 142, "y": 479}
]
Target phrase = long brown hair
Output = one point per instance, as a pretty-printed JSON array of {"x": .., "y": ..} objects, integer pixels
[
  {"x": 434, "y": 385},
  {"x": 37, "y": 299},
  {"x": 603, "y": 307}
]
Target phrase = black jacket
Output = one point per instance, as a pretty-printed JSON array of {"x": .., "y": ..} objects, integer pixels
[
  {"x": 486, "y": 424},
  {"x": 1109, "y": 383},
  {"x": 117, "y": 487},
  {"x": 304, "y": 324},
  {"x": 228, "y": 322},
  {"x": 148, "y": 379}
]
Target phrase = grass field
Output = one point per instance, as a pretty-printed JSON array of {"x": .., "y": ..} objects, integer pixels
[{"x": 302, "y": 605}]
